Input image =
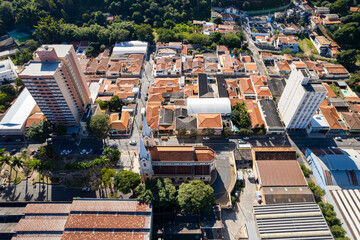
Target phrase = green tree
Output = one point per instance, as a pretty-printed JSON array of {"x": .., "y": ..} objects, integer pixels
[
  {"x": 107, "y": 175},
  {"x": 337, "y": 231},
  {"x": 48, "y": 29},
  {"x": 339, "y": 7},
  {"x": 160, "y": 192},
  {"x": 181, "y": 132},
  {"x": 16, "y": 163},
  {"x": 305, "y": 170},
  {"x": 103, "y": 105},
  {"x": 227, "y": 132},
  {"x": 126, "y": 181},
  {"x": 166, "y": 35},
  {"x": 99, "y": 126},
  {"x": 208, "y": 131},
  {"x": 217, "y": 20},
  {"x": 144, "y": 32},
  {"x": 230, "y": 40},
  {"x": 195, "y": 196},
  {"x": 8, "y": 89},
  {"x": 215, "y": 37},
  {"x": 239, "y": 116},
  {"x": 193, "y": 133},
  {"x": 347, "y": 58},
  {"x": 115, "y": 104},
  {"x": 90, "y": 51},
  {"x": 39, "y": 131},
  {"x": 317, "y": 191},
  {"x": 99, "y": 18}
]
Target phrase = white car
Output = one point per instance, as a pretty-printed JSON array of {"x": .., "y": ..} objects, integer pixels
[
  {"x": 133, "y": 142},
  {"x": 338, "y": 139},
  {"x": 246, "y": 138},
  {"x": 241, "y": 141},
  {"x": 206, "y": 138}
]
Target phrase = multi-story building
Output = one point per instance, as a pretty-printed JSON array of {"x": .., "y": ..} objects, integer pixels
[
  {"x": 7, "y": 71},
  {"x": 179, "y": 163},
  {"x": 300, "y": 100},
  {"x": 55, "y": 80}
]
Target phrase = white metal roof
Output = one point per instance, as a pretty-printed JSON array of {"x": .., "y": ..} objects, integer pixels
[
  {"x": 319, "y": 121},
  {"x": 18, "y": 113},
  {"x": 130, "y": 47},
  {"x": 291, "y": 221},
  {"x": 208, "y": 105},
  {"x": 94, "y": 90}
]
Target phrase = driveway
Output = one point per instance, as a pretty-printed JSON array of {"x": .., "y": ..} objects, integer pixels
[{"x": 235, "y": 219}]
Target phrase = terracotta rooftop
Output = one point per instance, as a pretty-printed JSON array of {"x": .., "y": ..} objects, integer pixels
[
  {"x": 283, "y": 65},
  {"x": 122, "y": 123},
  {"x": 352, "y": 120},
  {"x": 83, "y": 205},
  {"x": 105, "y": 235},
  {"x": 329, "y": 90},
  {"x": 274, "y": 173},
  {"x": 258, "y": 80},
  {"x": 262, "y": 91},
  {"x": 40, "y": 208},
  {"x": 182, "y": 153},
  {"x": 41, "y": 224},
  {"x": 37, "y": 237},
  {"x": 254, "y": 114},
  {"x": 332, "y": 117},
  {"x": 246, "y": 59},
  {"x": 127, "y": 81},
  {"x": 211, "y": 120},
  {"x": 105, "y": 221},
  {"x": 299, "y": 64},
  {"x": 250, "y": 67},
  {"x": 246, "y": 86},
  {"x": 34, "y": 118}
]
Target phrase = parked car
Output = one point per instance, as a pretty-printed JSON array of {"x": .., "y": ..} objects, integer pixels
[
  {"x": 357, "y": 138},
  {"x": 206, "y": 138},
  {"x": 85, "y": 189},
  {"x": 241, "y": 141},
  {"x": 2, "y": 187},
  {"x": 12, "y": 152},
  {"x": 246, "y": 138},
  {"x": 271, "y": 138},
  {"x": 133, "y": 142},
  {"x": 338, "y": 139}
]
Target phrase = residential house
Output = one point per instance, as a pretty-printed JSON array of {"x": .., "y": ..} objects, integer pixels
[
  {"x": 336, "y": 125},
  {"x": 247, "y": 89},
  {"x": 352, "y": 121},
  {"x": 289, "y": 42},
  {"x": 335, "y": 71},
  {"x": 120, "y": 125},
  {"x": 184, "y": 121},
  {"x": 283, "y": 67},
  {"x": 209, "y": 121},
  {"x": 250, "y": 68},
  {"x": 331, "y": 19}
]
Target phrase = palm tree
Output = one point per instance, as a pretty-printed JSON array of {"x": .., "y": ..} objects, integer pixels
[
  {"x": 5, "y": 160},
  {"x": 16, "y": 162}
]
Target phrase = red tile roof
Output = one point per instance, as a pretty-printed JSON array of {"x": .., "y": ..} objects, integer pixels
[
  {"x": 108, "y": 206},
  {"x": 182, "y": 153},
  {"x": 105, "y": 221},
  {"x": 41, "y": 224},
  {"x": 210, "y": 120},
  {"x": 276, "y": 173},
  {"x": 40, "y": 208},
  {"x": 105, "y": 235}
]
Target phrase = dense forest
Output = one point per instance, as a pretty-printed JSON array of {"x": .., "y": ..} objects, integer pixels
[{"x": 88, "y": 12}]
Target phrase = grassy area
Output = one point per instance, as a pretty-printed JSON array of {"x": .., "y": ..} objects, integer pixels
[{"x": 307, "y": 46}]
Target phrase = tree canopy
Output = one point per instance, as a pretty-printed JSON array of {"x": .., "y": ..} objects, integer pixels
[
  {"x": 39, "y": 131},
  {"x": 195, "y": 196},
  {"x": 160, "y": 192},
  {"x": 126, "y": 181},
  {"x": 99, "y": 126}
]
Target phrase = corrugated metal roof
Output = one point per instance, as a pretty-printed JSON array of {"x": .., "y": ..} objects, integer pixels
[{"x": 291, "y": 221}]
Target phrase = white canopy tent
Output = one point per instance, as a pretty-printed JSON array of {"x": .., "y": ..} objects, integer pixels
[{"x": 208, "y": 105}]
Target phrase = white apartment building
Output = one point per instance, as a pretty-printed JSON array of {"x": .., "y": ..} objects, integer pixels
[
  {"x": 7, "y": 71},
  {"x": 300, "y": 100},
  {"x": 56, "y": 82}
]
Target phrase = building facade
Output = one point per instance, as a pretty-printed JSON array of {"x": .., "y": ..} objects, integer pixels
[
  {"x": 7, "y": 71},
  {"x": 55, "y": 80},
  {"x": 300, "y": 100},
  {"x": 179, "y": 163}
]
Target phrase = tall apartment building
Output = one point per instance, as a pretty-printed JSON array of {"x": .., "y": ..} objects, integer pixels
[
  {"x": 55, "y": 80},
  {"x": 300, "y": 100},
  {"x": 178, "y": 163}
]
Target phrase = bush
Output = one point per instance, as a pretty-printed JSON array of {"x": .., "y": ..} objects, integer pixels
[
  {"x": 17, "y": 180},
  {"x": 305, "y": 170},
  {"x": 233, "y": 200},
  {"x": 317, "y": 191}
]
